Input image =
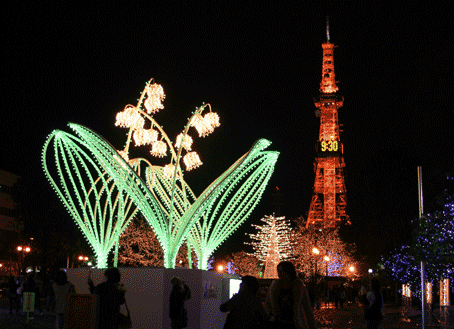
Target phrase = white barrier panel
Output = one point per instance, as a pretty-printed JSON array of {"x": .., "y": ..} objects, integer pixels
[{"x": 148, "y": 292}]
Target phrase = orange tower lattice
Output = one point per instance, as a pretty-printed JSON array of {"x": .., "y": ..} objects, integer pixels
[{"x": 329, "y": 197}]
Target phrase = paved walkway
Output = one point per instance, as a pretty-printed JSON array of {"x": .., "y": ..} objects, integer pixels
[{"x": 350, "y": 317}]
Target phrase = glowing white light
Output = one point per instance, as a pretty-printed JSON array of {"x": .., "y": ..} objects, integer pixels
[
  {"x": 145, "y": 136},
  {"x": 203, "y": 128},
  {"x": 212, "y": 119},
  {"x": 429, "y": 292},
  {"x": 155, "y": 96},
  {"x": 187, "y": 142},
  {"x": 406, "y": 290},
  {"x": 191, "y": 160},
  {"x": 169, "y": 170},
  {"x": 130, "y": 118},
  {"x": 159, "y": 149},
  {"x": 444, "y": 292}
]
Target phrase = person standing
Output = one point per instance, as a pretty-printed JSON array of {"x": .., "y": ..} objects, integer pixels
[
  {"x": 342, "y": 296},
  {"x": 327, "y": 296},
  {"x": 245, "y": 308},
  {"x": 49, "y": 294},
  {"x": 373, "y": 304},
  {"x": 14, "y": 303},
  {"x": 111, "y": 296},
  {"x": 336, "y": 296},
  {"x": 177, "y": 313},
  {"x": 62, "y": 289},
  {"x": 38, "y": 293},
  {"x": 287, "y": 300}
]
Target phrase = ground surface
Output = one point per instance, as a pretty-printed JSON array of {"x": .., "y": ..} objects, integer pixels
[{"x": 350, "y": 317}]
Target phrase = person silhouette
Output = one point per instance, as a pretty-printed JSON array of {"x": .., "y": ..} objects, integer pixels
[
  {"x": 177, "y": 313},
  {"x": 111, "y": 296},
  {"x": 245, "y": 308},
  {"x": 62, "y": 289},
  {"x": 288, "y": 301},
  {"x": 373, "y": 304}
]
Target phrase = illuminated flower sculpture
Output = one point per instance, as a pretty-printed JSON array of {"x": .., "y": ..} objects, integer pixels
[{"x": 97, "y": 185}]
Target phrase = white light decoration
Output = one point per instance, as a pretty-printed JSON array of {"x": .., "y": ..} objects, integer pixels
[
  {"x": 406, "y": 290},
  {"x": 192, "y": 160},
  {"x": 159, "y": 149},
  {"x": 212, "y": 119},
  {"x": 145, "y": 136},
  {"x": 272, "y": 243},
  {"x": 187, "y": 145},
  {"x": 156, "y": 95},
  {"x": 429, "y": 292},
  {"x": 444, "y": 292},
  {"x": 130, "y": 118},
  {"x": 169, "y": 171},
  {"x": 203, "y": 128}
]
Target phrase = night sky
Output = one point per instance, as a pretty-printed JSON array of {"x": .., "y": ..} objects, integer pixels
[{"x": 259, "y": 66}]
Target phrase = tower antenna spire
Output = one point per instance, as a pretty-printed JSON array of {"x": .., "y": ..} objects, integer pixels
[{"x": 327, "y": 29}]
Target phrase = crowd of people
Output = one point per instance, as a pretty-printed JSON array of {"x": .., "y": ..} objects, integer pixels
[
  {"x": 288, "y": 304},
  {"x": 55, "y": 291}
]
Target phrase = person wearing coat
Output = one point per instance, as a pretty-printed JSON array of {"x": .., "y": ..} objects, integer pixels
[
  {"x": 111, "y": 296},
  {"x": 287, "y": 300}
]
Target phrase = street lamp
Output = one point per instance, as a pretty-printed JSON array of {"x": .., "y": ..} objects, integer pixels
[
  {"x": 22, "y": 250},
  {"x": 82, "y": 259},
  {"x": 316, "y": 252},
  {"x": 220, "y": 268}
]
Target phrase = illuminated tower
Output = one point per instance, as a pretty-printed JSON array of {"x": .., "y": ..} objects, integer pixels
[{"x": 329, "y": 197}]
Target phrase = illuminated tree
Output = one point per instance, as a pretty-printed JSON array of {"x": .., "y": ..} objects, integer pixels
[
  {"x": 102, "y": 187},
  {"x": 402, "y": 266},
  {"x": 139, "y": 246},
  {"x": 246, "y": 264},
  {"x": 328, "y": 243},
  {"x": 272, "y": 243},
  {"x": 433, "y": 243}
]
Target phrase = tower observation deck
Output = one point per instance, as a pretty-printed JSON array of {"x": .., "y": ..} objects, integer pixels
[{"x": 329, "y": 198}]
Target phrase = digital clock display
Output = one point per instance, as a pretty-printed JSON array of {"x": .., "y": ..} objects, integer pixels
[{"x": 329, "y": 146}]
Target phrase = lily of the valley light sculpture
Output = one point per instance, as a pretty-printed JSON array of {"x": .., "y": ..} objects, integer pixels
[{"x": 97, "y": 183}]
